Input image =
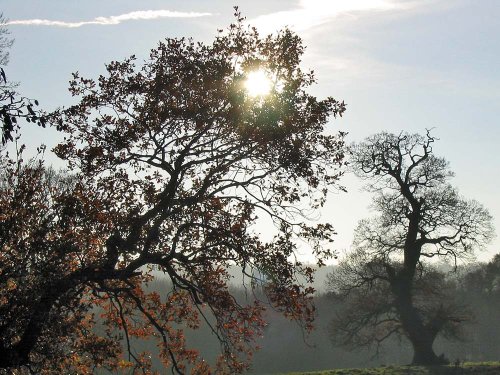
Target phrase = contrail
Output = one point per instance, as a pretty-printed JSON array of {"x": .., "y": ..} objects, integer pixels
[{"x": 113, "y": 20}]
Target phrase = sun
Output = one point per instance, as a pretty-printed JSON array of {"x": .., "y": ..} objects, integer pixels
[{"x": 258, "y": 83}]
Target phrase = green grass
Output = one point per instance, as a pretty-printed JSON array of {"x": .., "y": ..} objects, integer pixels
[{"x": 467, "y": 368}]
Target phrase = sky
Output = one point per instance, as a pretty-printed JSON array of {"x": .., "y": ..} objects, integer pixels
[{"x": 400, "y": 65}]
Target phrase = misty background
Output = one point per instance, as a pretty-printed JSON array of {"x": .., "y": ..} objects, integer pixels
[{"x": 286, "y": 347}]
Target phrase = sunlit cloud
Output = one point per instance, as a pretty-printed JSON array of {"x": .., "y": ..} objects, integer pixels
[
  {"x": 311, "y": 13},
  {"x": 112, "y": 20}
]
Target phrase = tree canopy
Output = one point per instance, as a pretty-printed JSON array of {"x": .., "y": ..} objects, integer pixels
[
  {"x": 419, "y": 216},
  {"x": 171, "y": 164}
]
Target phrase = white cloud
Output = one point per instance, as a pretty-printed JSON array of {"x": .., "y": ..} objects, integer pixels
[
  {"x": 112, "y": 20},
  {"x": 311, "y": 13}
]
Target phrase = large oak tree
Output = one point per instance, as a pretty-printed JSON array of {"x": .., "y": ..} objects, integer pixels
[
  {"x": 171, "y": 164},
  {"x": 389, "y": 288}
]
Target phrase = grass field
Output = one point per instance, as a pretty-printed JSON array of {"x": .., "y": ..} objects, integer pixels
[{"x": 467, "y": 368}]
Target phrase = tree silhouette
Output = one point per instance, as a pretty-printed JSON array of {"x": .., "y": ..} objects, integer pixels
[
  {"x": 170, "y": 166},
  {"x": 389, "y": 288}
]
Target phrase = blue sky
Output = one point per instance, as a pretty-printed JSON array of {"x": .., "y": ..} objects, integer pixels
[{"x": 399, "y": 65}]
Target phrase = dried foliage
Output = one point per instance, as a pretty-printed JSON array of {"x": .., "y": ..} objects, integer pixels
[{"x": 170, "y": 165}]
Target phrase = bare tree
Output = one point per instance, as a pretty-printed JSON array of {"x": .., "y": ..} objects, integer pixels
[
  {"x": 5, "y": 41},
  {"x": 13, "y": 106},
  {"x": 420, "y": 216}
]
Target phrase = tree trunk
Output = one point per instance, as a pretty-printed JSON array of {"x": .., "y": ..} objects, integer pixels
[
  {"x": 421, "y": 340},
  {"x": 423, "y": 353},
  {"x": 420, "y": 336}
]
